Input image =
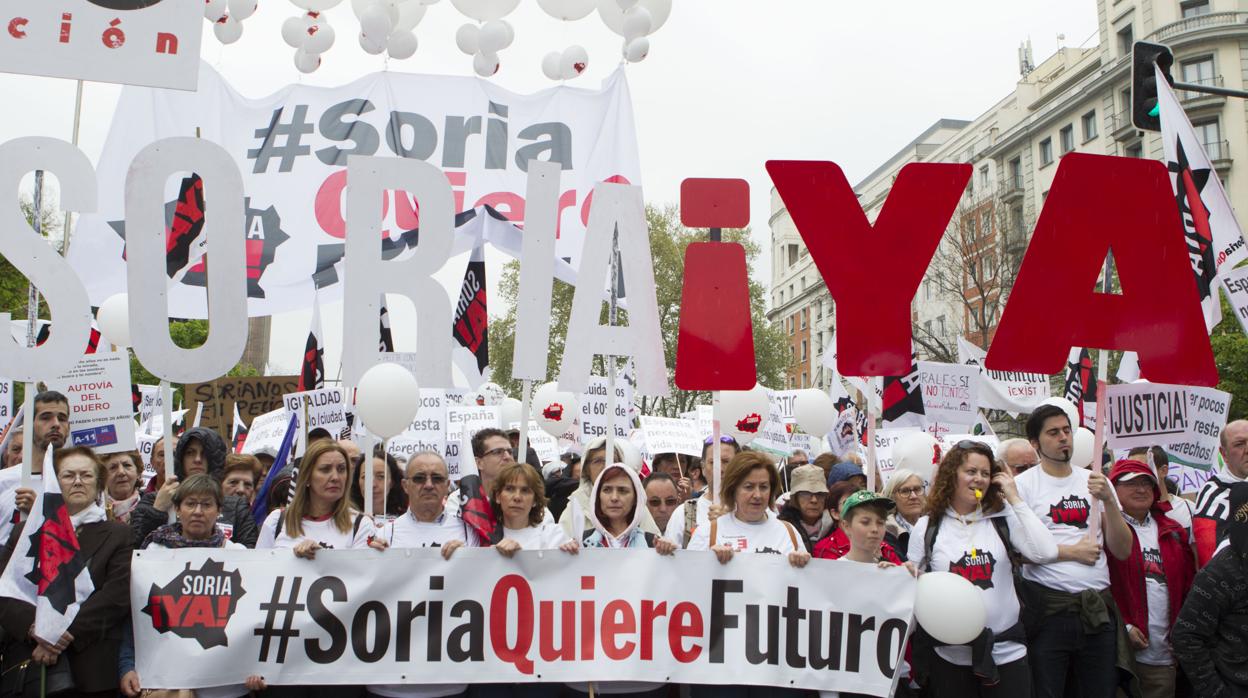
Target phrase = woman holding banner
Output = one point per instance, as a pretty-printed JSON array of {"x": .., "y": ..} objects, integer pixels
[
  {"x": 579, "y": 502},
  {"x": 387, "y": 505},
  {"x": 749, "y": 489},
  {"x": 695, "y": 512},
  {"x": 88, "y": 650},
  {"x": 977, "y": 527},
  {"x": 320, "y": 515}
]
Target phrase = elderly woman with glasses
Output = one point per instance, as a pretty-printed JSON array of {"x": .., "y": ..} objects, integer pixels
[{"x": 907, "y": 491}]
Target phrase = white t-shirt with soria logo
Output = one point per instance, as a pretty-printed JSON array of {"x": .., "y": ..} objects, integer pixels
[
  {"x": 770, "y": 535},
  {"x": 1063, "y": 505}
]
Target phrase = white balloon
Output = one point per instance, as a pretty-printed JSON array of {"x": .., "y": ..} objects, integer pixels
[
  {"x": 295, "y": 31},
  {"x": 626, "y": 5},
  {"x": 742, "y": 413},
  {"x": 511, "y": 33},
  {"x": 410, "y": 14},
  {"x": 613, "y": 14},
  {"x": 814, "y": 411},
  {"x": 242, "y": 9},
  {"x": 485, "y": 10},
  {"x": 1083, "y": 454},
  {"x": 315, "y": 5},
  {"x": 1067, "y": 406},
  {"x": 375, "y": 23},
  {"x": 113, "y": 318},
  {"x": 949, "y": 608},
  {"x": 554, "y": 410},
  {"x": 358, "y": 6},
  {"x": 485, "y": 64},
  {"x": 467, "y": 38},
  {"x": 320, "y": 37},
  {"x": 573, "y": 61},
  {"x": 550, "y": 65},
  {"x": 307, "y": 62},
  {"x": 215, "y": 9},
  {"x": 918, "y": 451},
  {"x": 637, "y": 23},
  {"x": 402, "y": 45},
  {"x": 567, "y": 10},
  {"x": 493, "y": 37},
  {"x": 387, "y": 399},
  {"x": 510, "y": 411},
  {"x": 490, "y": 395},
  {"x": 635, "y": 51},
  {"x": 228, "y": 30},
  {"x": 371, "y": 46}
]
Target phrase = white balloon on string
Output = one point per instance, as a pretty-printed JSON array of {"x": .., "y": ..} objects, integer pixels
[
  {"x": 402, "y": 45},
  {"x": 613, "y": 14},
  {"x": 227, "y": 30},
  {"x": 467, "y": 38},
  {"x": 635, "y": 51},
  {"x": 242, "y": 9},
  {"x": 493, "y": 37},
  {"x": 375, "y": 22},
  {"x": 567, "y": 10},
  {"x": 215, "y": 9},
  {"x": 306, "y": 62},
  {"x": 485, "y": 10},
  {"x": 320, "y": 37},
  {"x": 637, "y": 23},
  {"x": 573, "y": 61},
  {"x": 316, "y": 5},
  {"x": 485, "y": 64},
  {"x": 550, "y": 65},
  {"x": 372, "y": 46},
  {"x": 295, "y": 31},
  {"x": 410, "y": 14}
]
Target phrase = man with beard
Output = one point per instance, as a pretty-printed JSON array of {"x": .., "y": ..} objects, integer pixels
[
  {"x": 1072, "y": 622},
  {"x": 51, "y": 428}
]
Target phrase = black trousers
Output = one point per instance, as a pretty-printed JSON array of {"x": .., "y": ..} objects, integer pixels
[{"x": 949, "y": 680}]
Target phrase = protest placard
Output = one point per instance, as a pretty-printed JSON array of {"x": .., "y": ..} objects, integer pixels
[
  {"x": 885, "y": 440},
  {"x": 545, "y": 445},
  {"x": 773, "y": 437},
  {"x": 950, "y": 392},
  {"x": 671, "y": 435},
  {"x": 254, "y": 395},
  {"x": 461, "y": 424},
  {"x": 266, "y": 433},
  {"x": 326, "y": 409},
  {"x": 594, "y": 408},
  {"x": 1012, "y": 391},
  {"x": 1186, "y": 419},
  {"x": 1207, "y": 411},
  {"x": 149, "y": 402},
  {"x": 6, "y": 401},
  {"x": 100, "y": 406},
  {"x": 428, "y": 431},
  {"x": 1235, "y": 281},
  {"x": 704, "y": 415}
]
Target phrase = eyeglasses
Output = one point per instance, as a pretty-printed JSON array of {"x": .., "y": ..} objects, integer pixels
[
  {"x": 723, "y": 439},
  {"x": 796, "y": 463},
  {"x": 916, "y": 491},
  {"x": 496, "y": 451},
  {"x": 194, "y": 505},
  {"x": 421, "y": 478},
  {"x": 87, "y": 478},
  {"x": 670, "y": 501}
]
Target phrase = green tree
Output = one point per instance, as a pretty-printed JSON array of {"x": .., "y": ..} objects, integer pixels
[
  {"x": 1230, "y": 351},
  {"x": 668, "y": 240}
]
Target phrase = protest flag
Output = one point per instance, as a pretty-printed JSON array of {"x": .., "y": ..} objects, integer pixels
[
  {"x": 312, "y": 371},
  {"x": 240, "y": 431},
  {"x": 47, "y": 569},
  {"x": 387, "y": 338},
  {"x": 902, "y": 399},
  {"x": 260, "y": 506},
  {"x": 1080, "y": 386},
  {"x": 471, "y": 324}
]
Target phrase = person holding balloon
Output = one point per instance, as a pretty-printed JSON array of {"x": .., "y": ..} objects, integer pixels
[{"x": 979, "y": 528}]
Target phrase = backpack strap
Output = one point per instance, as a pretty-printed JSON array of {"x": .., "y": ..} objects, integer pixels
[
  {"x": 929, "y": 541},
  {"x": 1002, "y": 526},
  {"x": 355, "y": 527},
  {"x": 797, "y": 546},
  {"x": 281, "y": 521}
]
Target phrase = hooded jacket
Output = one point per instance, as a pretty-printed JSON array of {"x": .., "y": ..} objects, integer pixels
[
  {"x": 1126, "y": 577},
  {"x": 633, "y": 536},
  {"x": 791, "y": 514},
  {"x": 577, "y": 529},
  {"x": 235, "y": 511}
]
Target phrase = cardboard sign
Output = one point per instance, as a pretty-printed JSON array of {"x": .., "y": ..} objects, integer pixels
[
  {"x": 149, "y": 402},
  {"x": 132, "y": 42},
  {"x": 326, "y": 409},
  {"x": 254, "y": 395},
  {"x": 950, "y": 392},
  {"x": 545, "y": 445},
  {"x": 668, "y": 435},
  {"x": 100, "y": 407},
  {"x": 266, "y": 433},
  {"x": 428, "y": 431},
  {"x": 1157, "y": 414},
  {"x": 594, "y": 408}
]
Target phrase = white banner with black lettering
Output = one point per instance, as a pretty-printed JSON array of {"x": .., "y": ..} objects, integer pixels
[
  {"x": 1011, "y": 391},
  {"x": 212, "y": 617},
  {"x": 1187, "y": 420},
  {"x": 292, "y": 148}
]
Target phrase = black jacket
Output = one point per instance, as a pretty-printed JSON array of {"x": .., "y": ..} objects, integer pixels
[
  {"x": 97, "y": 627},
  {"x": 1210, "y": 636},
  {"x": 235, "y": 512}
]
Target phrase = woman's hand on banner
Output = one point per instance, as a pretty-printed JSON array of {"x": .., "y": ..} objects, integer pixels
[
  {"x": 307, "y": 549},
  {"x": 377, "y": 543},
  {"x": 507, "y": 547},
  {"x": 722, "y": 553},
  {"x": 255, "y": 683},
  {"x": 799, "y": 558},
  {"x": 571, "y": 547},
  {"x": 664, "y": 546},
  {"x": 164, "y": 496},
  {"x": 450, "y": 547}
]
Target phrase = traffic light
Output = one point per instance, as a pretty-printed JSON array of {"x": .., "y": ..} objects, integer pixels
[{"x": 1144, "y": 55}]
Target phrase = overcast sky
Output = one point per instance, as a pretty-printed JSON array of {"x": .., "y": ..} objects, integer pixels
[{"x": 728, "y": 85}]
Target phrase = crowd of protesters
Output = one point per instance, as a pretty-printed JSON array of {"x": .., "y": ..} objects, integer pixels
[{"x": 1095, "y": 583}]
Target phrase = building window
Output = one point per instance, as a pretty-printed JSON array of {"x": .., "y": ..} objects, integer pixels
[
  {"x": 792, "y": 255},
  {"x": 983, "y": 176},
  {"x": 940, "y": 325},
  {"x": 927, "y": 289},
  {"x": 1198, "y": 72},
  {"x": 1046, "y": 152},
  {"x": 1210, "y": 136},
  {"x": 927, "y": 326},
  {"x": 1135, "y": 150},
  {"x": 782, "y": 298},
  {"x": 805, "y": 314},
  {"x": 1089, "y": 126},
  {"x": 1068, "y": 138},
  {"x": 1126, "y": 38},
  {"x": 803, "y": 283},
  {"x": 1016, "y": 173},
  {"x": 1125, "y": 96},
  {"x": 987, "y": 223},
  {"x": 1195, "y": 8},
  {"x": 803, "y": 351}
]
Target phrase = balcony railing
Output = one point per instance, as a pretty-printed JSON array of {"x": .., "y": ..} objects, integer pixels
[
  {"x": 1218, "y": 150},
  {"x": 1214, "y": 19},
  {"x": 1213, "y": 81}
]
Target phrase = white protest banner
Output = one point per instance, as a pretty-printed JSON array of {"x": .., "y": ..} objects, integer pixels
[
  {"x": 545, "y": 445},
  {"x": 144, "y": 444},
  {"x": 773, "y": 437},
  {"x": 948, "y": 441},
  {"x": 428, "y": 429},
  {"x": 266, "y": 433},
  {"x": 101, "y": 410},
  {"x": 292, "y": 149},
  {"x": 703, "y": 415},
  {"x": 461, "y": 424},
  {"x": 1011, "y": 391},
  {"x": 207, "y": 617},
  {"x": 149, "y": 402},
  {"x": 1207, "y": 410},
  {"x": 148, "y": 42},
  {"x": 325, "y": 407},
  {"x": 1235, "y": 283},
  {"x": 885, "y": 440},
  {"x": 594, "y": 408},
  {"x": 950, "y": 392},
  {"x": 1157, "y": 414},
  {"x": 669, "y": 435},
  {"x": 6, "y": 401}
]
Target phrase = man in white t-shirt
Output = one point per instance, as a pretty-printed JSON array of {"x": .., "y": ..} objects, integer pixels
[
  {"x": 695, "y": 512},
  {"x": 1072, "y": 622},
  {"x": 51, "y": 428}
]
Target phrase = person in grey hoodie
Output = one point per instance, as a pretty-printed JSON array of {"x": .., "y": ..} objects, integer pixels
[
  {"x": 199, "y": 450},
  {"x": 594, "y": 463}
]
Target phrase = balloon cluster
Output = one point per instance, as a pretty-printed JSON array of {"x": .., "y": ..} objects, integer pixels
[
  {"x": 634, "y": 20},
  {"x": 492, "y": 34},
  {"x": 227, "y": 17}
]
